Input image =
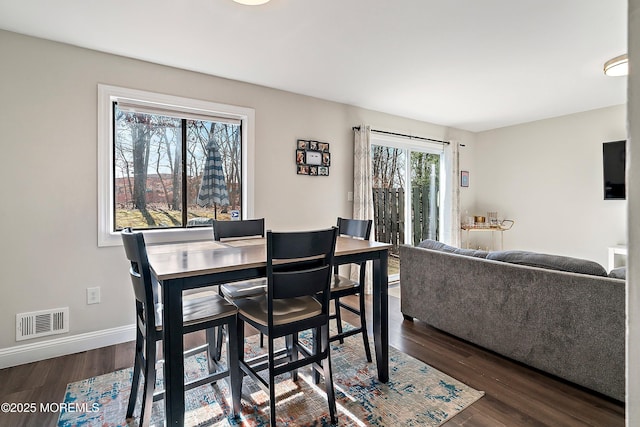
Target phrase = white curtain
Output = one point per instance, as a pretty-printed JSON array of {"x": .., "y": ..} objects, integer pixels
[
  {"x": 451, "y": 223},
  {"x": 362, "y": 187}
]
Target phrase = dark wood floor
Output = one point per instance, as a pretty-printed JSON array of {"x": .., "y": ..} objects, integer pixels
[{"x": 515, "y": 395}]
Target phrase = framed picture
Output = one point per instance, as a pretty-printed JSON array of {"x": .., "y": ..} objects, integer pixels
[
  {"x": 464, "y": 178},
  {"x": 326, "y": 159},
  {"x": 313, "y": 157}
]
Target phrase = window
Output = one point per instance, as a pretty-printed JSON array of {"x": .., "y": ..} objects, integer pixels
[
  {"x": 169, "y": 164},
  {"x": 406, "y": 181}
]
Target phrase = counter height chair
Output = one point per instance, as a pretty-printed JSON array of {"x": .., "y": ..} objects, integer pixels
[
  {"x": 299, "y": 266},
  {"x": 230, "y": 230},
  {"x": 199, "y": 313},
  {"x": 343, "y": 286}
]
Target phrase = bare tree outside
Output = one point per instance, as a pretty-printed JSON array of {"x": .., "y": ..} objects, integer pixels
[
  {"x": 390, "y": 193},
  {"x": 159, "y": 165},
  {"x": 387, "y": 167}
]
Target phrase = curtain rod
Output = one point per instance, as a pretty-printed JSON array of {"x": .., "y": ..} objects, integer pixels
[{"x": 404, "y": 135}]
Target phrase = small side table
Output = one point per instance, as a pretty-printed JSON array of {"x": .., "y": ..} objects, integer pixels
[
  {"x": 502, "y": 227},
  {"x": 620, "y": 250}
]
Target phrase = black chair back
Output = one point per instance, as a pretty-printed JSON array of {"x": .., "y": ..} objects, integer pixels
[
  {"x": 299, "y": 264},
  {"x": 243, "y": 228},
  {"x": 144, "y": 287},
  {"x": 360, "y": 228}
]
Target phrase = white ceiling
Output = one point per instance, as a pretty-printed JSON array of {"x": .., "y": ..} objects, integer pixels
[{"x": 469, "y": 64}]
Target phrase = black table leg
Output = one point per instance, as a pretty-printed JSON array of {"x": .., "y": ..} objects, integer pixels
[
  {"x": 381, "y": 314},
  {"x": 173, "y": 348}
]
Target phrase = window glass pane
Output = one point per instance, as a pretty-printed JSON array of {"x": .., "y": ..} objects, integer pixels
[
  {"x": 160, "y": 183},
  {"x": 388, "y": 180},
  {"x": 406, "y": 182},
  {"x": 147, "y": 170},
  {"x": 213, "y": 171},
  {"x": 425, "y": 184}
]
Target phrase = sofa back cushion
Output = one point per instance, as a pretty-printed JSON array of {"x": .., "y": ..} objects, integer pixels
[
  {"x": 551, "y": 262},
  {"x": 439, "y": 246},
  {"x": 618, "y": 273}
]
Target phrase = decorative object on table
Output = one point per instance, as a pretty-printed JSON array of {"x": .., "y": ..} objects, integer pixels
[
  {"x": 493, "y": 218},
  {"x": 464, "y": 178},
  {"x": 312, "y": 158},
  {"x": 427, "y": 396}
]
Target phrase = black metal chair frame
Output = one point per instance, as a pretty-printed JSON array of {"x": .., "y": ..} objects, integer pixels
[
  {"x": 224, "y": 229},
  {"x": 358, "y": 229},
  {"x": 242, "y": 228},
  {"x": 149, "y": 331},
  {"x": 299, "y": 265}
]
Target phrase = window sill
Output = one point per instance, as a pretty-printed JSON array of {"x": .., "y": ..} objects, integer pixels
[{"x": 161, "y": 236}]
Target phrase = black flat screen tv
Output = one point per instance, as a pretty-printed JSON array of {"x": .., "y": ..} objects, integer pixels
[{"x": 613, "y": 161}]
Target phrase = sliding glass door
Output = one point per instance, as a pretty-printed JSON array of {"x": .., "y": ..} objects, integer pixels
[{"x": 406, "y": 191}]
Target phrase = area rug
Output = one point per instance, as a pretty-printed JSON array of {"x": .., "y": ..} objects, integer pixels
[{"x": 415, "y": 395}]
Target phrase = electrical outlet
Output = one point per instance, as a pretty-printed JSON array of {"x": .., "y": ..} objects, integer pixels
[
  {"x": 349, "y": 196},
  {"x": 93, "y": 295}
]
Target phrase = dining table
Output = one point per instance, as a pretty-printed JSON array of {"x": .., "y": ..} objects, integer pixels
[{"x": 191, "y": 265}]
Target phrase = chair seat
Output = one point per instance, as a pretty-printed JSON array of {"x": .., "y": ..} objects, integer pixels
[
  {"x": 244, "y": 289},
  {"x": 339, "y": 283},
  {"x": 200, "y": 309},
  {"x": 284, "y": 310}
]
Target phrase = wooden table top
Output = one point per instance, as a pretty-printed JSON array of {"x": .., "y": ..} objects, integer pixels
[{"x": 175, "y": 260}]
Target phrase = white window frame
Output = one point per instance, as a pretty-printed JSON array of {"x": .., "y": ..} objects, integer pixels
[{"x": 106, "y": 96}]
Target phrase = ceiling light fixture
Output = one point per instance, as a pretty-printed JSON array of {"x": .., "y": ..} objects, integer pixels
[
  {"x": 618, "y": 66},
  {"x": 251, "y": 2}
]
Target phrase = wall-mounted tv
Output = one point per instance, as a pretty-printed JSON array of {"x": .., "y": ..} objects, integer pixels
[{"x": 613, "y": 161}]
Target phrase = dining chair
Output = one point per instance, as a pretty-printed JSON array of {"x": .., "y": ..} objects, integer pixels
[
  {"x": 242, "y": 229},
  {"x": 199, "y": 313},
  {"x": 342, "y": 286},
  {"x": 299, "y": 268}
]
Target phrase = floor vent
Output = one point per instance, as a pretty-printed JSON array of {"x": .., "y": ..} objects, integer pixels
[{"x": 42, "y": 323}]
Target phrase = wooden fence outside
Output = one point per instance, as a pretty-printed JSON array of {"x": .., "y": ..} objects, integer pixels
[{"x": 389, "y": 214}]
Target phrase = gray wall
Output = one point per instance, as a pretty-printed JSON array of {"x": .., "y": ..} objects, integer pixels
[{"x": 547, "y": 176}]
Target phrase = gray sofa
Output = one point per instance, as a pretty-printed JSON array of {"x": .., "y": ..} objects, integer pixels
[{"x": 571, "y": 325}]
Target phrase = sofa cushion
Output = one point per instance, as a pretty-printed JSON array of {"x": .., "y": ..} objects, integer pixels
[
  {"x": 618, "y": 273},
  {"x": 551, "y": 262},
  {"x": 439, "y": 246}
]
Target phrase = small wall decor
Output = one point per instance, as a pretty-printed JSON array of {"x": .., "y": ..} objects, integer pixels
[
  {"x": 464, "y": 178},
  {"x": 312, "y": 158}
]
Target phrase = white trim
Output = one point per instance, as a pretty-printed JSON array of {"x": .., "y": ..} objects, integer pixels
[
  {"x": 406, "y": 143},
  {"x": 106, "y": 95},
  {"x": 27, "y": 353}
]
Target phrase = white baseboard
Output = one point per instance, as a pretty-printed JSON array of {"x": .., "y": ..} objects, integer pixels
[{"x": 27, "y": 353}]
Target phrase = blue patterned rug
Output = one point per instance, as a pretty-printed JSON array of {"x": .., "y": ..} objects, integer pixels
[{"x": 416, "y": 395}]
